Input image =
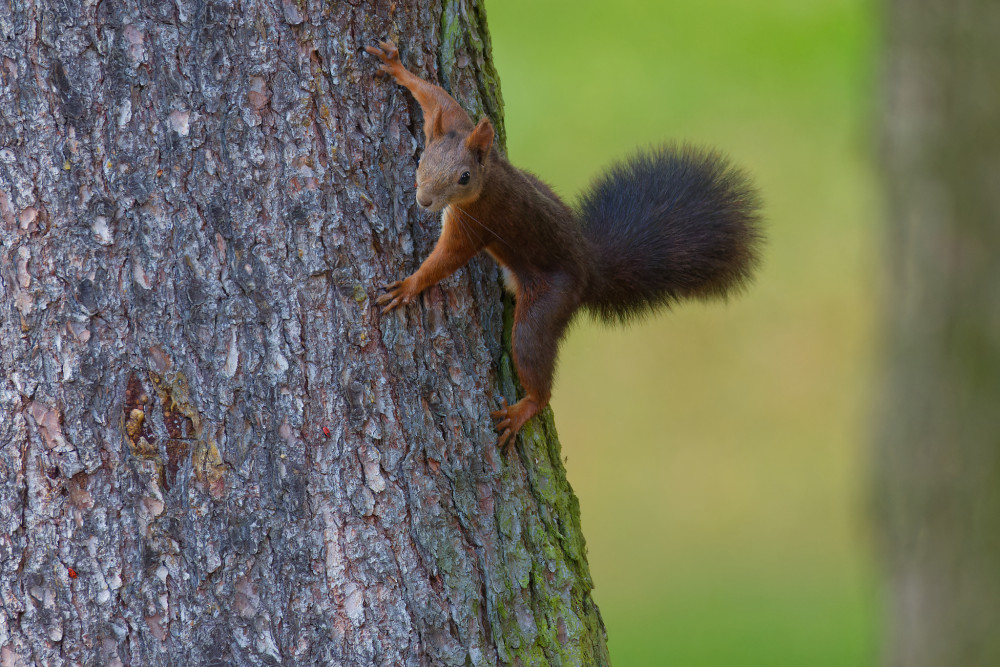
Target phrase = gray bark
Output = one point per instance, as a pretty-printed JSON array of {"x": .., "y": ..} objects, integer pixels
[
  {"x": 212, "y": 449},
  {"x": 939, "y": 453}
]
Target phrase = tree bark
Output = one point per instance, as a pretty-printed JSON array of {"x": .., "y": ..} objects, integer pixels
[
  {"x": 212, "y": 449},
  {"x": 939, "y": 454}
]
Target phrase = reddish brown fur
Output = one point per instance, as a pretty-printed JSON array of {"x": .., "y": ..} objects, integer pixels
[
  {"x": 441, "y": 111},
  {"x": 491, "y": 205},
  {"x": 522, "y": 224}
]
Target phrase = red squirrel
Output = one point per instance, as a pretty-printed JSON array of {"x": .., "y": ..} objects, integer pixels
[{"x": 668, "y": 223}]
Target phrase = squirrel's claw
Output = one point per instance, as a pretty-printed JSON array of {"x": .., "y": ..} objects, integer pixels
[
  {"x": 502, "y": 412},
  {"x": 511, "y": 419},
  {"x": 396, "y": 295},
  {"x": 396, "y": 303},
  {"x": 391, "y": 52},
  {"x": 503, "y": 426},
  {"x": 507, "y": 440},
  {"x": 387, "y": 53}
]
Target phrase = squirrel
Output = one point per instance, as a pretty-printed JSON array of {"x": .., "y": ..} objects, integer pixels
[{"x": 668, "y": 223}]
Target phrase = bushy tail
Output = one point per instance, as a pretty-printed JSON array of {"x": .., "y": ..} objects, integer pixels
[{"x": 666, "y": 224}]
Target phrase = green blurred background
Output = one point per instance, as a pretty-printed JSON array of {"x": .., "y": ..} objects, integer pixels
[{"x": 720, "y": 451}]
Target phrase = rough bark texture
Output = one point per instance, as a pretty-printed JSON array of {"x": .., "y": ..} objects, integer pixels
[
  {"x": 212, "y": 451},
  {"x": 939, "y": 456}
]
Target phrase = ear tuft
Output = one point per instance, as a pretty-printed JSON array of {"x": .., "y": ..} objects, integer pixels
[
  {"x": 439, "y": 123},
  {"x": 480, "y": 140},
  {"x": 434, "y": 126}
]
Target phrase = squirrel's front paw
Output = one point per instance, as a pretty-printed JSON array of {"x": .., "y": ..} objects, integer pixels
[
  {"x": 397, "y": 294},
  {"x": 388, "y": 54}
]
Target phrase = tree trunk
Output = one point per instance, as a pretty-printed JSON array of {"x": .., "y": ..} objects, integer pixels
[
  {"x": 939, "y": 456},
  {"x": 212, "y": 449}
]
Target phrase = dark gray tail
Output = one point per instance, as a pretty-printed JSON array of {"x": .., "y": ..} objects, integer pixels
[{"x": 667, "y": 224}]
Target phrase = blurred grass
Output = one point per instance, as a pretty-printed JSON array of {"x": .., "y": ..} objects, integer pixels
[{"x": 718, "y": 450}]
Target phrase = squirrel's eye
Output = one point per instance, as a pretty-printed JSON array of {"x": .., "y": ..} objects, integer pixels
[{"x": 464, "y": 178}]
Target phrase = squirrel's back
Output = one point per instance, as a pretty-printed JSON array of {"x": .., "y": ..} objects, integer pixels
[{"x": 666, "y": 224}]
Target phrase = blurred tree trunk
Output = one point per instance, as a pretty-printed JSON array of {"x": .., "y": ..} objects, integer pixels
[
  {"x": 939, "y": 459},
  {"x": 212, "y": 451}
]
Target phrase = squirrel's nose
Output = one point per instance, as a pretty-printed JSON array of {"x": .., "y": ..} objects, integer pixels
[{"x": 425, "y": 202}]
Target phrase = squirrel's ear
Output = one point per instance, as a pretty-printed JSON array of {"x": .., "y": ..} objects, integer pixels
[
  {"x": 481, "y": 139},
  {"x": 434, "y": 126}
]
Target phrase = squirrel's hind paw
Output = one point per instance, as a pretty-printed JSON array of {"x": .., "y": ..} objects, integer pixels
[{"x": 511, "y": 418}]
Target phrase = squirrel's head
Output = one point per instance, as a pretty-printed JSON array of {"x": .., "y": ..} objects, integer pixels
[{"x": 453, "y": 165}]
